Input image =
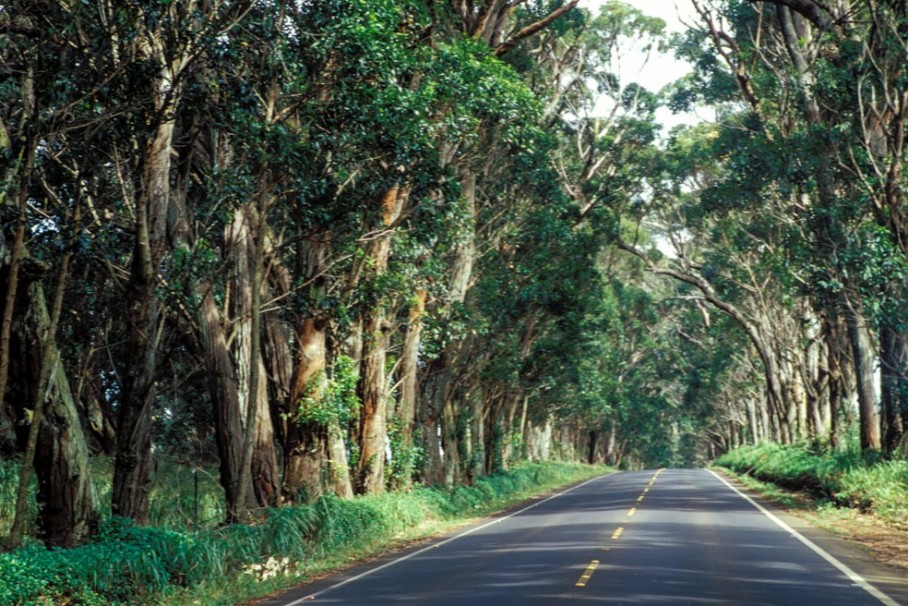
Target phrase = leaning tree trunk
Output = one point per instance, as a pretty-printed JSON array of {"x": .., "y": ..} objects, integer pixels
[
  {"x": 221, "y": 372},
  {"x": 222, "y": 387},
  {"x": 68, "y": 506}
]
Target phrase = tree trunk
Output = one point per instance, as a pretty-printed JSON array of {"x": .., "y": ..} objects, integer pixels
[
  {"x": 68, "y": 505},
  {"x": 409, "y": 387},
  {"x": 494, "y": 434},
  {"x": 894, "y": 370},
  {"x": 593, "y": 447},
  {"x": 133, "y": 464},
  {"x": 373, "y": 431},
  {"x": 439, "y": 376},
  {"x": 132, "y": 468},
  {"x": 859, "y": 334},
  {"x": 477, "y": 434},
  {"x": 451, "y": 440},
  {"x": 246, "y": 242},
  {"x": 25, "y": 158},
  {"x": 220, "y": 368},
  {"x": 222, "y": 386},
  {"x": 263, "y": 467},
  {"x": 338, "y": 466},
  {"x": 303, "y": 446},
  {"x": 432, "y": 472}
]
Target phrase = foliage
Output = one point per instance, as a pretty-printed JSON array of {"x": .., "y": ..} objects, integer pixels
[
  {"x": 846, "y": 477},
  {"x": 331, "y": 400}
]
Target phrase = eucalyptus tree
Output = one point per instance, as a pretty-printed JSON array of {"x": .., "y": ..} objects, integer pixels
[{"x": 818, "y": 80}]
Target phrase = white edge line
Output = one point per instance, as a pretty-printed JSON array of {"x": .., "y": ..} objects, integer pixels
[
  {"x": 843, "y": 568},
  {"x": 312, "y": 596}
]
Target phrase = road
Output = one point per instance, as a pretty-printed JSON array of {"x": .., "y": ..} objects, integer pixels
[{"x": 668, "y": 537}]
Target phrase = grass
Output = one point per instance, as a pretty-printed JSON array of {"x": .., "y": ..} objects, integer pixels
[
  {"x": 162, "y": 564},
  {"x": 844, "y": 478}
]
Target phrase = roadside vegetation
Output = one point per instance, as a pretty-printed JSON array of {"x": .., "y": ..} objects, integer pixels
[
  {"x": 127, "y": 564},
  {"x": 844, "y": 478}
]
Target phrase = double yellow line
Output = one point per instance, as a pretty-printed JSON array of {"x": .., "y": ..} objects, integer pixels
[{"x": 588, "y": 573}]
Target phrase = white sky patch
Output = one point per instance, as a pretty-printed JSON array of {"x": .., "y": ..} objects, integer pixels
[{"x": 656, "y": 70}]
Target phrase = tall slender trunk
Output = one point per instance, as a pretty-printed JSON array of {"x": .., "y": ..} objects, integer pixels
[
  {"x": 222, "y": 386},
  {"x": 451, "y": 441},
  {"x": 409, "y": 387},
  {"x": 477, "y": 434},
  {"x": 373, "y": 388},
  {"x": 133, "y": 465},
  {"x": 373, "y": 433},
  {"x": 894, "y": 370},
  {"x": 12, "y": 286},
  {"x": 246, "y": 240},
  {"x": 859, "y": 335}
]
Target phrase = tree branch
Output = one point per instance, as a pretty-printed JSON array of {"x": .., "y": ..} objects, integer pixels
[
  {"x": 534, "y": 28},
  {"x": 814, "y": 11}
]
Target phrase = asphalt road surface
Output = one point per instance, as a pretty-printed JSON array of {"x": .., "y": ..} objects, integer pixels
[{"x": 670, "y": 537}]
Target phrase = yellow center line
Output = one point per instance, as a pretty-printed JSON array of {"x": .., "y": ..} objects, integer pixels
[
  {"x": 640, "y": 498},
  {"x": 618, "y": 532},
  {"x": 632, "y": 511},
  {"x": 581, "y": 582}
]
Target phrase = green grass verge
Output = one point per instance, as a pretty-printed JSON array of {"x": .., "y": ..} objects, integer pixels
[
  {"x": 128, "y": 565},
  {"x": 845, "y": 478}
]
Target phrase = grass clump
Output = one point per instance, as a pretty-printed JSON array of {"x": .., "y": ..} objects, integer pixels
[
  {"x": 844, "y": 477},
  {"x": 126, "y": 565}
]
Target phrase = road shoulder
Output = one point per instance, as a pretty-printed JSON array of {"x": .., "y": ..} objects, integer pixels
[{"x": 876, "y": 551}]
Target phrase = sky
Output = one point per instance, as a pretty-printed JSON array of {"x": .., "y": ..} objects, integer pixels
[{"x": 657, "y": 70}]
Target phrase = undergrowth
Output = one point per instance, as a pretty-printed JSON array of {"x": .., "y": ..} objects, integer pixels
[
  {"x": 125, "y": 564},
  {"x": 844, "y": 477}
]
